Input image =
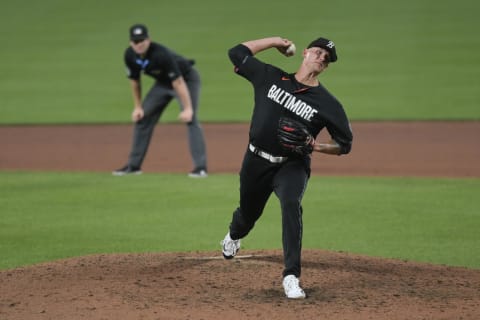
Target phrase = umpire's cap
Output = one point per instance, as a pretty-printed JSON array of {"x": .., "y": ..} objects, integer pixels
[
  {"x": 138, "y": 32},
  {"x": 327, "y": 45}
]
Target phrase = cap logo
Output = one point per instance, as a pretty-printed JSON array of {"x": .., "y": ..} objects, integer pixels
[
  {"x": 330, "y": 44},
  {"x": 137, "y": 31}
]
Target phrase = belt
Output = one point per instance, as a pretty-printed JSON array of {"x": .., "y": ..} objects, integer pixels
[{"x": 265, "y": 155}]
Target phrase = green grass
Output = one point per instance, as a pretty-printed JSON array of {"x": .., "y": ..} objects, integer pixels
[
  {"x": 48, "y": 216},
  {"x": 62, "y": 61}
]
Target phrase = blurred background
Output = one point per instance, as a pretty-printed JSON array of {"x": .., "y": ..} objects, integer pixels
[{"x": 62, "y": 61}]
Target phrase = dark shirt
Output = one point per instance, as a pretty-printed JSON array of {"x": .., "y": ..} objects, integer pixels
[
  {"x": 278, "y": 94},
  {"x": 159, "y": 62}
]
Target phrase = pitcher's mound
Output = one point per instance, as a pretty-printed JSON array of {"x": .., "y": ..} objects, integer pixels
[{"x": 202, "y": 285}]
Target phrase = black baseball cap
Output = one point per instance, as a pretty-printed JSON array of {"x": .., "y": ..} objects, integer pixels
[
  {"x": 327, "y": 45},
  {"x": 138, "y": 32}
]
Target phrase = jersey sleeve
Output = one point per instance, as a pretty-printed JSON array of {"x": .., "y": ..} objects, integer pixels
[
  {"x": 246, "y": 65},
  {"x": 341, "y": 131},
  {"x": 133, "y": 70},
  {"x": 170, "y": 65}
]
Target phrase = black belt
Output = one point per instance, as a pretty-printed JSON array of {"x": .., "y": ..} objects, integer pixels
[{"x": 265, "y": 155}]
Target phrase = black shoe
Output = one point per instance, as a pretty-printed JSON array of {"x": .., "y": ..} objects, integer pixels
[
  {"x": 198, "y": 173},
  {"x": 127, "y": 170}
]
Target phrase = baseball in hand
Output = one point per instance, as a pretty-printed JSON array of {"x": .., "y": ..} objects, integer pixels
[{"x": 290, "y": 50}]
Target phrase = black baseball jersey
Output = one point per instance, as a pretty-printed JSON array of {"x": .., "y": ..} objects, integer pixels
[
  {"x": 159, "y": 62},
  {"x": 278, "y": 94}
]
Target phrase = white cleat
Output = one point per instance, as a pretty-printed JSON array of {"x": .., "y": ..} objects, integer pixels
[
  {"x": 198, "y": 173},
  {"x": 230, "y": 247},
  {"x": 291, "y": 285}
]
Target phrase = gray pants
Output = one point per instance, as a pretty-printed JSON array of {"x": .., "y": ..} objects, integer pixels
[{"x": 154, "y": 104}]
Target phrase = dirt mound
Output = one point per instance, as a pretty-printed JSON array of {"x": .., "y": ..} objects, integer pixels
[{"x": 203, "y": 285}]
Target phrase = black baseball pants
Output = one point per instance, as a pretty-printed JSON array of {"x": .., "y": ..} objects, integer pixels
[{"x": 288, "y": 180}]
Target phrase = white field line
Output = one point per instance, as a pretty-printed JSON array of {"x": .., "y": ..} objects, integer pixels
[{"x": 246, "y": 256}]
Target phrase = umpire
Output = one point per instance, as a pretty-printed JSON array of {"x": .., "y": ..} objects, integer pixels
[
  {"x": 268, "y": 167},
  {"x": 174, "y": 76}
]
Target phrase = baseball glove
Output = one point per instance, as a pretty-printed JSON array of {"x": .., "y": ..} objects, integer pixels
[{"x": 293, "y": 135}]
